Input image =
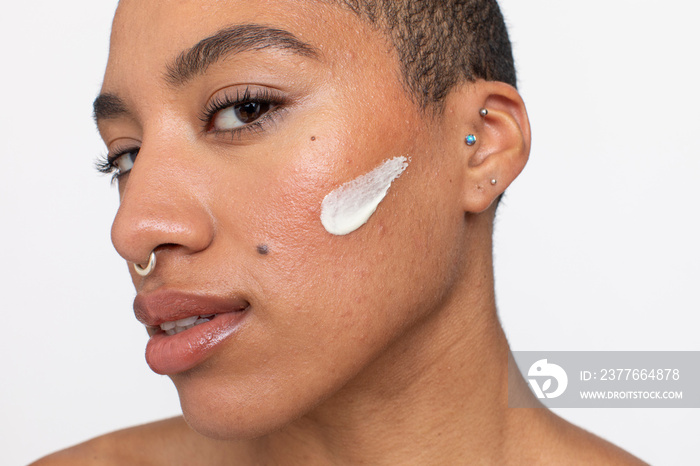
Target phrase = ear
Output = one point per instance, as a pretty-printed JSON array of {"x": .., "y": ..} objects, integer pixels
[{"x": 502, "y": 144}]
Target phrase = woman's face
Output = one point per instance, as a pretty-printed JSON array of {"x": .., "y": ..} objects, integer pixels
[{"x": 231, "y": 198}]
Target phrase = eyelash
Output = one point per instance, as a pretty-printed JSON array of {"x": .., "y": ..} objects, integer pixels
[
  {"x": 106, "y": 163},
  {"x": 225, "y": 101}
]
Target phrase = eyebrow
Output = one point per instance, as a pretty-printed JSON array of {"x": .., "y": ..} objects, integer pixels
[
  {"x": 235, "y": 39},
  {"x": 197, "y": 59},
  {"x": 107, "y": 106}
]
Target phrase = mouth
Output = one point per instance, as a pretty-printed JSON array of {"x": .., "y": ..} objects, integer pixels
[
  {"x": 177, "y": 326},
  {"x": 185, "y": 329}
]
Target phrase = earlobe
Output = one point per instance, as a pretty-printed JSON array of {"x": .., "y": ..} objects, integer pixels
[{"x": 495, "y": 142}]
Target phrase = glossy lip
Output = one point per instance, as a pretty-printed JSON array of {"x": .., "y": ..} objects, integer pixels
[{"x": 169, "y": 355}]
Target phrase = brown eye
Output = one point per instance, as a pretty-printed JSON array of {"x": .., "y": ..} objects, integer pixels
[
  {"x": 248, "y": 113},
  {"x": 124, "y": 162},
  {"x": 239, "y": 115}
]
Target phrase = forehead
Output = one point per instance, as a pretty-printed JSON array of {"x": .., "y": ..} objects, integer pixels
[
  {"x": 149, "y": 34},
  {"x": 148, "y": 21}
]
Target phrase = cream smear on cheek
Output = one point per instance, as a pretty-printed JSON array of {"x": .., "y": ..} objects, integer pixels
[{"x": 349, "y": 206}]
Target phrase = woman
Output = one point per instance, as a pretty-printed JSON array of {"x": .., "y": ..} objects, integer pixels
[{"x": 307, "y": 200}]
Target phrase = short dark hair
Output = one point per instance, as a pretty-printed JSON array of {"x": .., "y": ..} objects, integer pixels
[{"x": 442, "y": 43}]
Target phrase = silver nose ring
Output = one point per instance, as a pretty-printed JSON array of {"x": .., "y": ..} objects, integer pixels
[{"x": 145, "y": 271}]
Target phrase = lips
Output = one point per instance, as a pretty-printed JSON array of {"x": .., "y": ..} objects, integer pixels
[{"x": 186, "y": 328}]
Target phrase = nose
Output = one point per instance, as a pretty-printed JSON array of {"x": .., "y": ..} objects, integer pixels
[{"x": 162, "y": 208}]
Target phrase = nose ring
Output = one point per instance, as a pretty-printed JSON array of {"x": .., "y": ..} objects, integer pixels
[{"x": 145, "y": 271}]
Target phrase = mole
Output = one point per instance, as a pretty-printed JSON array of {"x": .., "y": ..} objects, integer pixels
[{"x": 263, "y": 249}]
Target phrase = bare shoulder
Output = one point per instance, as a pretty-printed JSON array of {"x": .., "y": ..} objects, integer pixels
[
  {"x": 574, "y": 445},
  {"x": 167, "y": 442},
  {"x": 539, "y": 436},
  {"x": 587, "y": 448}
]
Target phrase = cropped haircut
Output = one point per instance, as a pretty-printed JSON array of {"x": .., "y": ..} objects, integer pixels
[{"x": 443, "y": 43}]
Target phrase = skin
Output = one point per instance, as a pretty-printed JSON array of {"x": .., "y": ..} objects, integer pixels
[{"x": 379, "y": 347}]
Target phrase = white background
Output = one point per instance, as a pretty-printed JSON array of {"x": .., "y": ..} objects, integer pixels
[{"x": 596, "y": 243}]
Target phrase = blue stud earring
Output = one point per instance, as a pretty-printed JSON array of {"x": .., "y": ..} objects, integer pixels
[{"x": 471, "y": 140}]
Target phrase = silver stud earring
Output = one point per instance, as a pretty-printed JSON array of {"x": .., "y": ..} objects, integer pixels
[
  {"x": 471, "y": 140},
  {"x": 483, "y": 112},
  {"x": 494, "y": 181},
  {"x": 145, "y": 271}
]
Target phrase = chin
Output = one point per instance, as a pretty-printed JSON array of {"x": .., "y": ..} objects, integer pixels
[
  {"x": 233, "y": 419},
  {"x": 235, "y": 410}
]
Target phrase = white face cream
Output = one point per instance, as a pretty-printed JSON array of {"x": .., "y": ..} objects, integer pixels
[{"x": 349, "y": 206}]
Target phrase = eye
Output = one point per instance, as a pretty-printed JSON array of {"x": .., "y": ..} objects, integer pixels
[
  {"x": 238, "y": 115},
  {"x": 117, "y": 164},
  {"x": 237, "y": 112},
  {"x": 124, "y": 161}
]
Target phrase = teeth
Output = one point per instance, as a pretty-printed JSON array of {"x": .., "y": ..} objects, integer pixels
[
  {"x": 168, "y": 326},
  {"x": 186, "y": 321},
  {"x": 175, "y": 327}
]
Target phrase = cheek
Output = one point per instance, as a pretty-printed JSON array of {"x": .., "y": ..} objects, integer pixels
[
  {"x": 337, "y": 283},
  {"x": 359, "y": 286}
]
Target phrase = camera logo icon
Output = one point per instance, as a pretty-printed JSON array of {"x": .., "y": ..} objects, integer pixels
[{"x": 546, "y": 372}]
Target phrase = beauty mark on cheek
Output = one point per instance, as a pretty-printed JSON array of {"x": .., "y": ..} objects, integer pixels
[{"x": 349, "y": 206}]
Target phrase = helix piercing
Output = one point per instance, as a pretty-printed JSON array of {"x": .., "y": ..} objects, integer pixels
[
  {"x": 471, "y": 140},
  {"x": 145, "y": 271},
  {"x": 483, "y": 112}
]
